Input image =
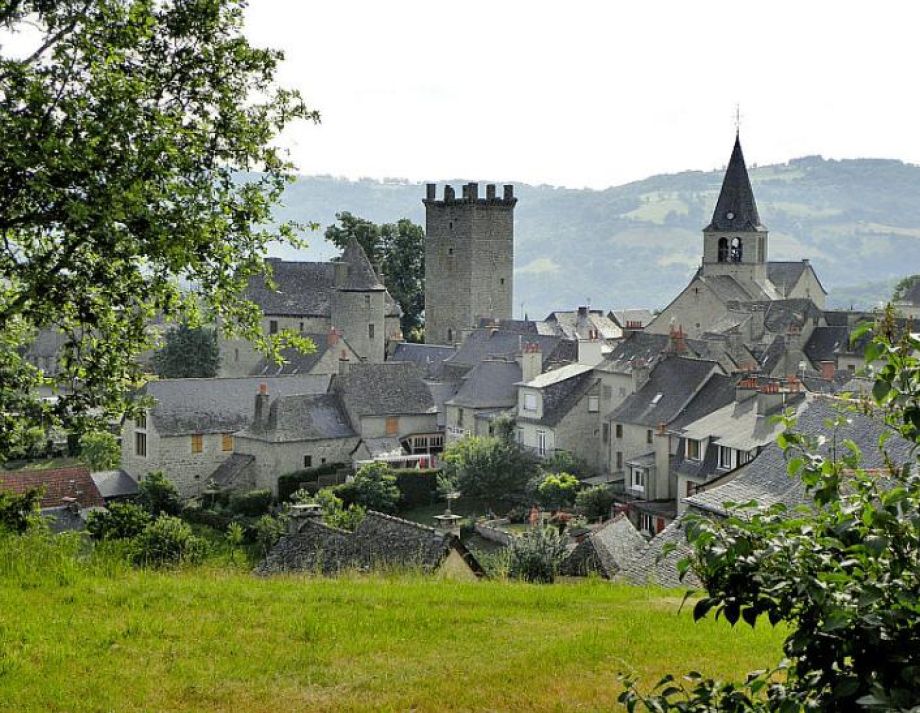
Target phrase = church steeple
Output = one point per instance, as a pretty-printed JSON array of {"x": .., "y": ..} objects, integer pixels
[{"x": 736, "y": 210}]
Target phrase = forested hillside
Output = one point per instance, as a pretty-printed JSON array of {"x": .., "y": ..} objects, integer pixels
[{"x": 636, "y": 245}]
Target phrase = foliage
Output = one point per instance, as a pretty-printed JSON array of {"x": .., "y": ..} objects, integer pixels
[
  {"x": 269, "y": 529},
  {"x": 188, "y": 352},
  {"x": 557, "y": 491},
  {"x": 253, "y": 503},
  {"x": 537, "y": 555},
  {"x": 20, "y": 513},
  {"x": 167, "y": 541},
  {"x": 157, "y": 494},
  {"x": 843, "y": 572},
  {"x": 120, "y": 521},
  {"x": 131, "y": 135},
  {"x": 399, "y": 251},
  {"x": 374, "y": 488},
  {"x": 566, "y": 462},
  {"x": 595, "y": 502},
  {"x": 291, "y": 482},
  {"x": 100, "y": 449},
  {"x": 903, "y": 287},
  {"x": 417, "y": 487},
  {"x": 234, "y": 539},
  {"x": 491, "y": 469},
  {"x": 335, "y": 513}
]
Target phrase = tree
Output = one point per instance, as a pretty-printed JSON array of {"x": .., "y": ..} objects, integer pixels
[
  {"x": 121, "y": 521},
  {"x": 187, "y": 353},
  {"x": 903, "y": 287},
  {"x": 557, "y": 491},
  {"x": 100, "y": 449},
  {"x": 491, "y": 469},
  {"x": 157, "y": 495},
  {"x": 167, "y": 541},
  {"x": 398, "y": 249},
  {"x": 843, "y": 574},
  {"x": 374, "y": 488},
  {"x": 130, "y": 134},
  {"x": 20, "y": 513},
  {"x": 595, "y": 503}
]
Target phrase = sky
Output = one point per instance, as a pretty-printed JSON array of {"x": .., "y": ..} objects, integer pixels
[{"x": 591, "y": 94}]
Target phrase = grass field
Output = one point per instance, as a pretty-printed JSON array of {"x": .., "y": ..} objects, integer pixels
[{"x": 102, "y": 637}]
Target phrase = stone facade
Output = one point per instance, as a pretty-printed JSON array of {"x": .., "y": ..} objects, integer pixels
[
  {"x": 469, "y": 260},
  {"x": 273, "y": 459}
]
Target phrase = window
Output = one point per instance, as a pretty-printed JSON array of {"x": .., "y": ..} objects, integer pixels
[
  {"x": 392, "y": 425},
  {"x": 236, "y": 354},
  {"x": 746, "y": 456},
  {"x": 656, "y": 398},
  {"x": 736, "y": 251},
  {"x": 140, "y": 444},
  {"x": 450, "y": 336},
  {"x": 638, "y": 479},
  {"x": 723, "y": 250},
  {"x": 226, "y": 442},
  {"x": 648, "y": 436},
  {"x": 593, "y": 404},
  {"x": 851, "y": 367},
  {"x": 459, "y": 416},
  {"x": 367, "y": 301},
  {"x": 530, "y": 402},
  {"x": 541, "y": 443},
  {"x": 607, "y": 393},
  {"x": 646, "y": 522},
  {"x": 308, "y": 461},
  {"x": 693, "y": 449},
  {"x": 501, "y": 281},
  {"x": 322, "y": 461},
  {"x": 141, "y": 421},
  {"x": 197, "y": 443},
  {"x": 619, "y": 460},
  {"x": 725, "y": 457},
  {"x": 619, "y": 430},
  {"x": 370, "y": 331},
  {"x": 450, "y": 251},
  {"x": 273, "y": 326},
  {"x": 605, "y": 432}
]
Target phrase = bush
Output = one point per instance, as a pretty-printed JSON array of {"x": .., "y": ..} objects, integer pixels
[
  {"x": 416, "y": 487},
  {"x": 167, "y": 541},
  {"x": 268, "y": 530},
  {"x": 565, "y": 462},
  {"x": 20, "y": 513},
  {"x": 493, "y": 470},
  {"x": 253, "y": 503},
  {"x": 594, "y": 503},
  {"x": 537, "y": 555},
  {"x": 100, "y": 449},
  {"x": 291, "y": 482},
  {"x": 557, "y": 491},
  {"x": 374, "y": 488},
  {"x": 121, "y": 521},
  {"x": 211, "y": 517},
  {"x": 157, "y": 495}
]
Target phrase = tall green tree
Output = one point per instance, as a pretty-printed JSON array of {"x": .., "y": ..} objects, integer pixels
[
  {"x": 490, "y": 469},
  {"x": 137, "y": 155},
  {"x": 399, "y": 251},
  {"x": 188, "y": 352},
  {"x": 903, "y": 287}
]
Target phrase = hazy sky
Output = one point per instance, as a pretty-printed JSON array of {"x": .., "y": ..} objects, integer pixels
[{"x": 582, "y": 93}]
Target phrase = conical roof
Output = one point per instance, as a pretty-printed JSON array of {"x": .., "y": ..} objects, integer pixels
[
  {"x": 736, "y": 209},
  {"x": 361, "y": 274}
]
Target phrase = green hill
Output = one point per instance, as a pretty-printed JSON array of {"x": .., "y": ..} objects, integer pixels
[{"x": 858, "y": 221}]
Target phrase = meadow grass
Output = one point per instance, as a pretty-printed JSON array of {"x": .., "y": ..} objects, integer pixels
[{"x": 83, "y": 631}]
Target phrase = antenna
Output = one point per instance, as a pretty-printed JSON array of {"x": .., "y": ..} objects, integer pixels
[{"x": 737, "y": 119}]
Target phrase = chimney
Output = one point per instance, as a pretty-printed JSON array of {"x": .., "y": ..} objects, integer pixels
[
  {"x": 509, "y": 191},
  {"x": 302, "y": 512},
  {"x": 261, "y": 410},
  {"x": 590, "y": 351},
  {"x": 332, "y": 338},
  {"x": 531, "y": 362},
  {"x": 640, "y": 373},
  {"x": 678, "y": 343},
  {"x": 344, "y": 364},
  {"x": 430, "y": 191},
  {"x": 745, "y": 388},
  {"x": 828, "y": 370},
  {"x": 769, "y": 397}
]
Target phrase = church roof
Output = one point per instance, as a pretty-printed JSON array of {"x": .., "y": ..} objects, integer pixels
[{"x": 736, "y": 208}]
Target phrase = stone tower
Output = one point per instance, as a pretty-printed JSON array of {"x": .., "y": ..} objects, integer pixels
[
  {"x": 359, "y": 304},
  {"x": 469, "y": 260},
  {"x": 735, "y": 242}
]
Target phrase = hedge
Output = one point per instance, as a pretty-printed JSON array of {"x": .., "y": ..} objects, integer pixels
[
  {"x": 290, "y": 483},
  {"x": 417, "y": 487},
  {"x": 253, "y": 503}
]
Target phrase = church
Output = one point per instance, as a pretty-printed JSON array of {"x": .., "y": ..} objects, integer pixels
[{"x": 737, "y": 283}]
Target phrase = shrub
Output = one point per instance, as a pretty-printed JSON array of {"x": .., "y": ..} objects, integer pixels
[
  {"x": 167, "y": 541},
  {"x": 594, "y": 503},
  {"x": 416, "y": 487},
  {"x": 158, "y": 495},
  {"x": 565, "y": 462},
  {"x": 557, "y": 491},
  {"x": 493, "y": 470},
  {"x": 537, "y": 555},
  {"x": 121, "y": 521},
  {"x": 211, "y": 517},
  {"x": 20, "y": 513},
  {"x": 374, "y": 487},
  {"x": 268, "y": 530},
  {"x": 291, "y": 482},
  {"x": 100, "y": 449},
  {"x": 253, "y": 503}
]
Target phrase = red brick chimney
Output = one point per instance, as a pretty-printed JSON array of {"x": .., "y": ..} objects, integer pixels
[
  {"x": 828, "y": 370},
  {"x": 678, "y": 341},
  {"x": 333, "y": 337}
]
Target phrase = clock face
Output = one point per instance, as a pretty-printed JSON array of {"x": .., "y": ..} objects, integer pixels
[{"x": 730, "y": 215}]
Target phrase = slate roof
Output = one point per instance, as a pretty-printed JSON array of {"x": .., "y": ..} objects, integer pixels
[
  {"x": 644, "y": 347},
  {"x": 390, "y": 388},
  {"x": 718, "y": 391},
  {"x": 650, "y": 567},
  {"x": 773, "y": 354},
  {"x": 728, "y": 289},
  {"x": 766, "y": 480},
  {"x": 825, "y": 343},
  {"x": 114, "y": 484},
  {"x": 786, "y": 274},
  {"x": 490, "y": 384},
  {"x": 61, "y": 486},
  {"x": 736, "y": 209},
  {"x": 224, "y": 405},
  {"x": 496, "y": 343},
  {"x": 296, "y": 362},
  {"x": 361, "y": 275},
  {"x": 303, "y": 417},
  {"x": 577, "y": 324},
  {"x": 779, "y": 315},
  {"x": 606, "y": 550},
  {"x": 231, "y": 472},
  {"x": 676, "y": 379},
  {"x": 622, "y": 316},
  {"x": 429, "y": 356},
  {"x": 380, "y": 541},
  {"x": 561, "y": 395}
]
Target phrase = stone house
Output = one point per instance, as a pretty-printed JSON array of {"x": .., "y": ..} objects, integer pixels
[
  {"x": 379, "y": 542},
  {"x": 606, "y": 550},
  {"x": 315, "y": 297},
  {"x": 331, "y": 349},
  {"x": 585, "y": 323},
  {"x": 188, "y": 431},
  {"x": 486, "y": 392}
]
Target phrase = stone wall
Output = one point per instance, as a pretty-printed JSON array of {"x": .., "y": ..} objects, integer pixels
[
  {"x": 275, "y": 459},
  {"x": 359, "y": 316},
  {"x": 695, "y": 309}
]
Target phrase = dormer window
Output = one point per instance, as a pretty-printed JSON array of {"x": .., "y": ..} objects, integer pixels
[{"x": 693, "y": 449}]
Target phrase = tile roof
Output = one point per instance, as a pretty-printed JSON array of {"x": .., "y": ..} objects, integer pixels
[
  {"x": 390, "y": 388},
  {"x": 606, "y": 550},
  {"x": 497, "y": 343},
  {"x": 490, "y": 384},
  {"x": 825, "y": 343},
  {"x": 578, "y": 324},
  {"x": 652, "y": 566},
  {"x": 379, "y": 541},
  {"x": 303, "y": 417},
  {"x": 223, "y": 405},
  {"x": 736, "y": 209},
  {"x": 669, "y": 388},
  {"x": 429, "y": 356},
  {"x": 766, "y": 479},
  {"x": 61, "y": 485},
  {"x": 560, "y": 397},
  {"x": 785, "y": 275}
]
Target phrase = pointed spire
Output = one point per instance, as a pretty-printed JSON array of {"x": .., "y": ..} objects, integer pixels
[
  {"x": 360, "y": 274},
  {"x": 736, "y": 209}
]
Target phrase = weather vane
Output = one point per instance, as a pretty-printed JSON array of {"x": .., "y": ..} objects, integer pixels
[{"x": 737, "y": 118}]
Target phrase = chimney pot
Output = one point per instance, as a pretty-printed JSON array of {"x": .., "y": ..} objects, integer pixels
[{"x": 263, "y": 388}]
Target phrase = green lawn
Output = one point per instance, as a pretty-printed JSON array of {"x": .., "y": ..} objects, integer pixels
[{"x": 215, "y": 639}]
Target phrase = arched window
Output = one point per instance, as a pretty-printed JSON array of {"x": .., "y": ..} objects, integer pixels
[
  {"x": 736, "y": 250},
  {"x": 723, "y": 249}
]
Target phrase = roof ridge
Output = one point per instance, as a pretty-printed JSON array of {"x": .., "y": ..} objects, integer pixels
[{"x": 403, "y": 521}]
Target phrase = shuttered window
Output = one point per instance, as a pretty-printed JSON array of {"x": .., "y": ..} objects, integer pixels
[{"x": 197, "y": 443}]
